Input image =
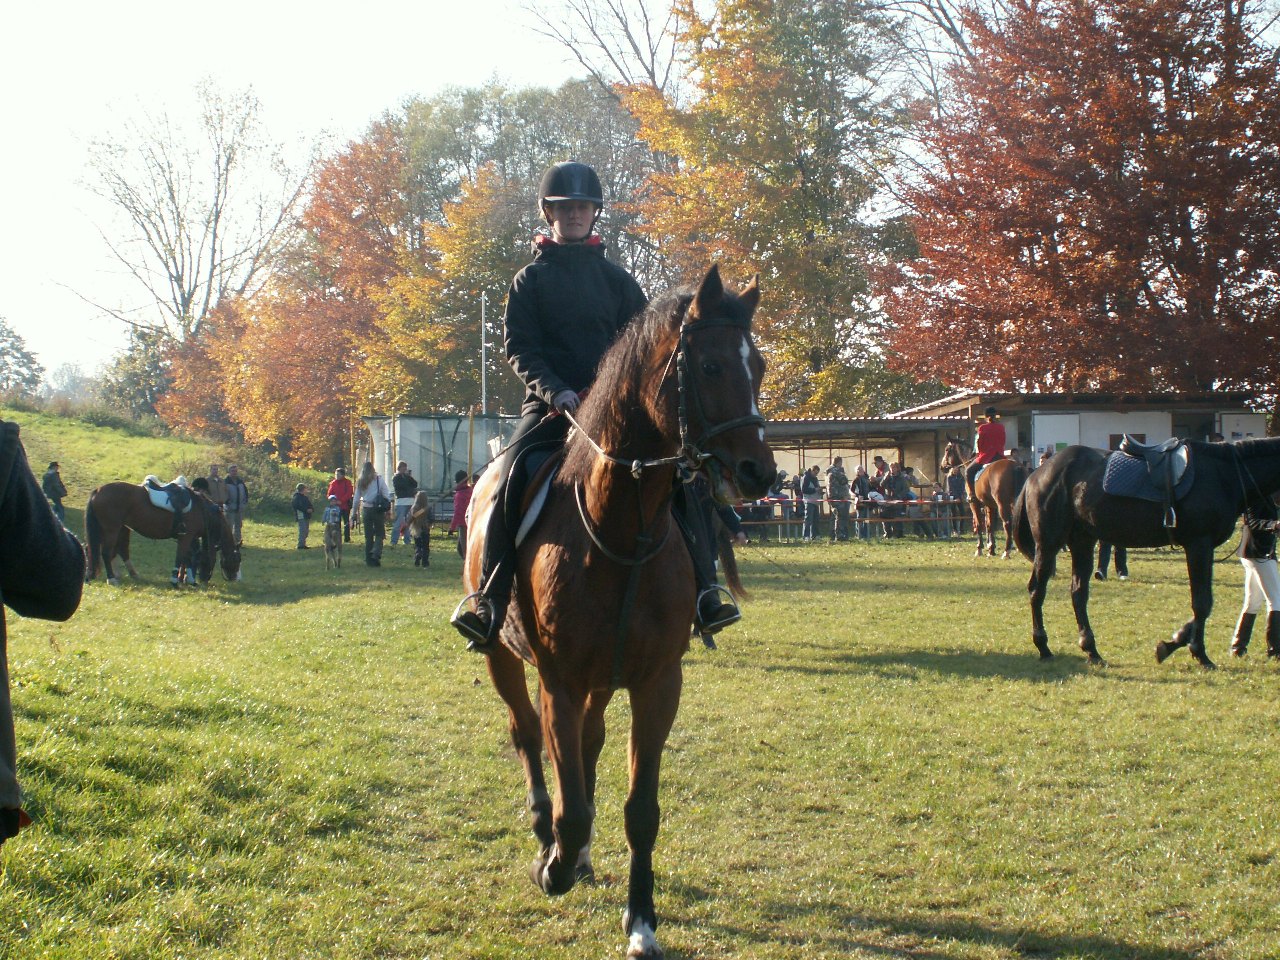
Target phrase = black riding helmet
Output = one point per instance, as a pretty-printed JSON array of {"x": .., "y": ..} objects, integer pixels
[{"x": 570, "y": 181}]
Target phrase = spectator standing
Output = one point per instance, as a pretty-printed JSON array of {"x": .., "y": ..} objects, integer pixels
[
  {"x": 55, "y": 490},
  {"x": 217, "y": 487},
  {"x": 896, "y": 487},
  {"x": 373, "y": 499},
  {"x": 882, "y": 468},
  {"x": 237, "y": 502},
  {"x": 1104, "y": 559},
  {"x": 838, "y": 491},
  {"x": 811, "y": 493},
  {"x": 302, "y": 510},
  {"x": 405, "y": 489},
  {"x": 418, "y": 526},
  {"x": 341, "y": 487},
  {"x": 1261, "y": 579},
  {"x": 41, "y": 575},
  {"x": 461, "y": 501},
  {"x": 861, "y": 492}
]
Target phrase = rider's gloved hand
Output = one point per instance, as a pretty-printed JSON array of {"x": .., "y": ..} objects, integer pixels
[{"x": 566, "y": 401}]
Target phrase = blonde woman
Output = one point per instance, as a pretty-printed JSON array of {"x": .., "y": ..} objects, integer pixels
[{"x": 373, "y": 500}]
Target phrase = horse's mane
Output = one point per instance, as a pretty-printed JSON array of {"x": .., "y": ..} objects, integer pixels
[
  {"x": 1246, "y": 449},
  {"x": 613, "y": 398}
]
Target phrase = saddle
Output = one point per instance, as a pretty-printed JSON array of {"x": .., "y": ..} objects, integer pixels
[
  {"x": 1158, "y": 472},
  {"x": 171, "y": 496}
]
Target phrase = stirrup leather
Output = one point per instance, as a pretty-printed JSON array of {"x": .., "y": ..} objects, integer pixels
[
  {"x": 469, "y": 623},
  {"x": 724, "y": 617}
]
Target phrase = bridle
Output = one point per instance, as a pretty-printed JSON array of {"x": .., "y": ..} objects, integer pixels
[{"x": 691, "y": 458}]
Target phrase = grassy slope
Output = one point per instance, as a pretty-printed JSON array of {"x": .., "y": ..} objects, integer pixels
[{"x": 306, "y": 765}]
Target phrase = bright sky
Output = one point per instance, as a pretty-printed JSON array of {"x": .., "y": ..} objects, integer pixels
[{"x": 73, "y": 71}]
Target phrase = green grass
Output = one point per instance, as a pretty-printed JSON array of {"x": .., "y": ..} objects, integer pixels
[{"x": 874, "y": 764}]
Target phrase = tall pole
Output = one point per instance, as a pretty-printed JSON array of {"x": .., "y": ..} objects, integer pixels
[{"x": 484, "y": 336}]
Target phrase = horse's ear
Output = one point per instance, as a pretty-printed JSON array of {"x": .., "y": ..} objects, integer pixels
[
  {"x": 710, "y": 293},
  {"x": 750, "y": 295}
]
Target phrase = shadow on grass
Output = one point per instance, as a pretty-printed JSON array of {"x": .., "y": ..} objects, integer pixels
[
  {"x": 832, "y": 930},
  {"x": 953, "y": 663}
]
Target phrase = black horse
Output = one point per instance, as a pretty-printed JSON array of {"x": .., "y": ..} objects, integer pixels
[{"x": 1063, "y": 505}]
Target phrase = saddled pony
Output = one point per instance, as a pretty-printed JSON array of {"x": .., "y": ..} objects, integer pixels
[
  {"x": 1063, "y": 505},
  {"x": 116, "y": 508},
  {"x": 994, "y": 491},
  {"x": 604, "y": 596}
]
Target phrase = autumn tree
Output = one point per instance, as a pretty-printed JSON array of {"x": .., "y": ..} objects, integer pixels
[
  {"x": 777, "y": 157},
  {"x": 1101, "y": 206},
  {"x": 197, "y": 215}
]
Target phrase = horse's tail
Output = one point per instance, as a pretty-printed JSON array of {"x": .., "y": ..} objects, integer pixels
[
  {"x": 93, "y": 534},
  {"x": 729, "y": 562},
  {"x": 1022, "y": 526}
]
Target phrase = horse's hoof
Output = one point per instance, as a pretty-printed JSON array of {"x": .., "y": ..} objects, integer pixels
[
  {"x": 1046, "y": 654},
  {"x": 584, "y": 873},
  {"x": 642, "y": 943},
  {"x": 1163, "y": 649},
  {"x": 113, "y": 582},
  {"x": 1096, "y": 661},
  {"x": 1204, "y": 661}
]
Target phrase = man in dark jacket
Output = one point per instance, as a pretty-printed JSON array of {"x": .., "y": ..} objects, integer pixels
[
  {"x": 41, "y": 575},
  {"x": 55, "y": 490}
]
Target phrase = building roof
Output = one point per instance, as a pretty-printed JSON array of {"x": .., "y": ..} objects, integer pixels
[
  {"x": 860, "y": 432},
  {"x": 966, "y": 402}
]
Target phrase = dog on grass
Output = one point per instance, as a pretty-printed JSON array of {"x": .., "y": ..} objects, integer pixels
[{"x": 333, "y": 545}]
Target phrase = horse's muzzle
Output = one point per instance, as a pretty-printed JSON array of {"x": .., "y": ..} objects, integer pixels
[{"x": 753, "y": 478}]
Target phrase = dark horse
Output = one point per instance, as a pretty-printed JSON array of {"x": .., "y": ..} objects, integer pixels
[
  {"x": 604, "y": 594},
  {"x": 1063, "y": 505},
  {"x": 116, "y": 508},
  {"x": 995, "y": 490}
]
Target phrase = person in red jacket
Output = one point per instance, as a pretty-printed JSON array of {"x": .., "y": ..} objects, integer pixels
[
  {"x": 461, "y": 500},
  {"x": 990, "y": 444},
  {"x": 341, "y": 487}
]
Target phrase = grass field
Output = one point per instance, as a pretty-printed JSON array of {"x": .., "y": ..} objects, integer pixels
[{"x": 874, "y": 764}]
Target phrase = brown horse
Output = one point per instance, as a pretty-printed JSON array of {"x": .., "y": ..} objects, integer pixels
[
  {"x": 604, "y": 595},
  {"x": 995, "y": 490},
  {"x": 118, "y": 507}
]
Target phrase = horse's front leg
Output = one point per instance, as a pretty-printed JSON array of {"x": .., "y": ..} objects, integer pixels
[
  {"x": 653, "y": 711},
  {"x": 506, "y": 670},
  {"x": 593, "y": 736},
  {"x": 1191, "y": 633},
  {"x": 555, "y": 869},
  {"x": 1081, "y": 570},
  {"x": 976, "y": 509}
]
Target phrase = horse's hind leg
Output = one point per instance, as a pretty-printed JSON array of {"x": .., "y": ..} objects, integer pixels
[
  {"x": 507, "y": 672},
  {"x": 1006, "y": 520},
  {"x": 976, "y": 509},
  {"x": 1042, "y": 567},
  {"x": 1082, "y": 552},
  {"x": 653, "y": 711}
]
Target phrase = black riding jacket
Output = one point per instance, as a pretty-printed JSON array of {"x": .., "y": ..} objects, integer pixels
[
  {"x": 1258, "y": 540},
  {"x": 563, "y": 311}
]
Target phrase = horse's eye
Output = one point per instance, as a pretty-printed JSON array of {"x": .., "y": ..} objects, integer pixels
[{"x": 711, "y": 368}]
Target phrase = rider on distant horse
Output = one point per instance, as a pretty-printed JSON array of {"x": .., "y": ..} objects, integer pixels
[
  {"x": 563, "y": 311},
  {"x": 990, "y": 444}
]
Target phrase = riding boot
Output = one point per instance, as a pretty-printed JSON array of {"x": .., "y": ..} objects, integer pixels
[
  {"x": 714, "y": 608},
  {"x": 1273, "y": 634},
  {"x": 1244, "y": 630}
]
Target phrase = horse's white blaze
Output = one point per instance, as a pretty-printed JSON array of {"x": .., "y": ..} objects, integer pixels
[
  {"x": 642, "y": 942},
  {"x": 745, "y": 352}
]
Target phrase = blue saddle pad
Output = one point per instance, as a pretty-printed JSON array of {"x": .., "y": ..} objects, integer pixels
[{"x": 1127, "y": 476}]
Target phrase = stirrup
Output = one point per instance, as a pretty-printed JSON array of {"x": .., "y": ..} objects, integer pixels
[
  {"x": 725, "y": 615},
  {"x": 480, "y": 636}
]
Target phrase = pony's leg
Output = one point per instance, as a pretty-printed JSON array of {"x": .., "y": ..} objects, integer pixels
[
  {"x": 1006, "y": 520},
  {"x": 1191, "y": 633},
  {"x": 109, "y": 539},
  {"x": 989, "y": 513},
  {"x": 1042, "y": 568},
  {"x": 653, "y": 711},
  {"x": 122, "y": 550},
  {"x": 554, "y": 871},
  {"x": 593, "y": 735},
  {"x": 506, "y": 670},
  {"x": 1082, "y": 553}
]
